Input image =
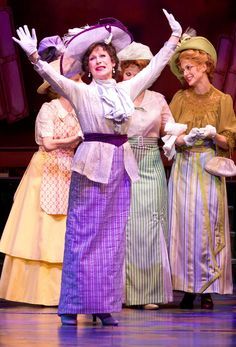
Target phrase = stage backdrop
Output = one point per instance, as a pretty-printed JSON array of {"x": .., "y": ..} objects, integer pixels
[{"x": 144, "y": 18}]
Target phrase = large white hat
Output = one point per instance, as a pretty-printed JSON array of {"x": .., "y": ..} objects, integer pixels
[
  {"x": 108, "y": 30},
  {"x": 135, "y": 51}
]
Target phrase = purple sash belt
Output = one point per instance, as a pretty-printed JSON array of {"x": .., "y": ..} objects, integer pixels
[{"x": 114, "y": 139}]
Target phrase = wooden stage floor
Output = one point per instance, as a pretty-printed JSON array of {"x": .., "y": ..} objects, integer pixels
[{"x": 37, "y": 326}]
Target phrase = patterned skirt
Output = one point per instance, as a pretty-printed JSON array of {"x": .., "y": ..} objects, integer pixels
[
  {"x": 200, "y": 252},
  {"x": 147, "y": 274},
  {"x": 95, "y": 242}
]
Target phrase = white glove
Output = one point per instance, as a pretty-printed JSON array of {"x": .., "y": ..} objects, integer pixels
[
  {"x": 175, "y": 26},
  {"x": 192, "y": 137},
  {"x": 172, "y": 131},
  {"x": 176, "y": 129},
  {"x": 208, "y": 132},
  {"x": 28, "y": 42},
  {"x": 169, "y": 146}
]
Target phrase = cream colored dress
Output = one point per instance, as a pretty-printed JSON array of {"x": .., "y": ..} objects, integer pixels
[{"x": 33, "y": 237}]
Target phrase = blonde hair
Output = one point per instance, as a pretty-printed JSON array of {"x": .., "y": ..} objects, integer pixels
[{"x": 199, "y": 57}]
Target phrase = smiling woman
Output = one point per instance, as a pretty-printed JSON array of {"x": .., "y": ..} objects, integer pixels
[
  {"x": 103, "y": 166},
  {"x": 100, "y": 61},
  {"x": 194, "y": 65},
  {"x": 198, "y": 219}
]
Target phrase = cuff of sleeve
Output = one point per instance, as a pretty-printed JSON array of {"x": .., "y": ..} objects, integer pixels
[
  {"x": 35, "y": 62},
  {"x": 231, "y": 143}
]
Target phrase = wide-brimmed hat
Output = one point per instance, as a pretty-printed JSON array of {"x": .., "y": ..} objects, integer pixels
[
  {"x": 196, "y": 42},
  {"x": 135, "y": 51},
  {"x": 42, "y": 89},
  {"x": 108, "y": 30}
]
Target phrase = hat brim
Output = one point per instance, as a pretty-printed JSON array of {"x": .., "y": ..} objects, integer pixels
[
  {"x": 196, "y": 42},
  {"x": 42, "y": 89},
  {"x": 71, "y": 60}
]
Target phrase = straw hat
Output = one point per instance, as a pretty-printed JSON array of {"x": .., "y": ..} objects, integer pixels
[
  {"x": 196, "y": 42},
  {"x": 135, "y": 51},
  {"x": 42, "y": 89},
  {"x": 108, "y": 30}
]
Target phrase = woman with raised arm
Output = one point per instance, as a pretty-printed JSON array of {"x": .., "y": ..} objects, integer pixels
[
  {"x": 103, "y": 166},
  {"x": 147, "y": 269}
]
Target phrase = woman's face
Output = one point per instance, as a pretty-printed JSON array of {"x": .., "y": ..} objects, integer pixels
[
  {"x": 193, "y": 73},
  {"x": 130, "y": 72},
  {"x": 100, "y": 64}
]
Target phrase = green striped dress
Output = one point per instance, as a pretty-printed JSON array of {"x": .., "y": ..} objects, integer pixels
[{"x": 147, "y": 270}]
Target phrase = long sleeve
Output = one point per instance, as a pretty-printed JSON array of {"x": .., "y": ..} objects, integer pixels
[
  {"x": 227, "y": 118},
  {"x": 63, "y": 85},
  {"x": 145, "y": 78},
  {"x": 176, "y": 105}
]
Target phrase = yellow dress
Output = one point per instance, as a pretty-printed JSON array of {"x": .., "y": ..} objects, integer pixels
[{"x": 33, "y": 240}]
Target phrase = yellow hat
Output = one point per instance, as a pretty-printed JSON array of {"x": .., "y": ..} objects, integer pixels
[
  {"x": 42, "y": 89},
  {"x": 196, "y": 42}
]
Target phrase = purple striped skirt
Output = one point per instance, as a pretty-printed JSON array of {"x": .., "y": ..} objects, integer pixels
[{"x": 95, "y": 242}]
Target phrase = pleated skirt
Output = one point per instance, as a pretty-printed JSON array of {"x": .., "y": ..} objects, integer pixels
[
  {"x": 33, "y": 242},
  {"x": 147, "y": 269},
  {"x": 95, "y": 242},
  {"x": 200, "y": 253}
]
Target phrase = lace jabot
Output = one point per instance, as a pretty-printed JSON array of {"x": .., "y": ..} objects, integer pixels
[{"x": 117, "y": 104}]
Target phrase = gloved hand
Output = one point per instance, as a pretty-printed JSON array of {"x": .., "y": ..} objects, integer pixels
[
  {"x": 175, "y": 26},
  {"x": 209, "y": 132},
  {"x": 27, "y": 41},
  {"x": 172, "y": 128},
  {"x": 192, "y": 137}
]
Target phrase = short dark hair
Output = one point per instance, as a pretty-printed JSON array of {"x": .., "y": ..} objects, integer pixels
[{"x": 108, "y": 48}]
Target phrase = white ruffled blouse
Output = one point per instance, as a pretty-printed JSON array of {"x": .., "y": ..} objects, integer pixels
[{"x": 94, "y": 159}]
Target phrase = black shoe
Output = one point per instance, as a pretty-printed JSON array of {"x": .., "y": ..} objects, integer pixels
[
  {"x": 106, "y": 319},
  {"x": 187, "y": 301},
  {"x": 207, "y": 302},
  {"x": 69, "y": 319}
]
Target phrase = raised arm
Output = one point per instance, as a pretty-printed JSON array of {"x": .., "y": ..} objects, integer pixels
[
  {"x": 175, "y": 27},
  {"x": 149, "y": 74},
  {"x": 28, "y": 42}
]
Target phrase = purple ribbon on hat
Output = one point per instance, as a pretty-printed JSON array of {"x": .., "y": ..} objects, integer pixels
[
  {"x": 51, "y": 48},
  {"x": 108, "y": 30}
]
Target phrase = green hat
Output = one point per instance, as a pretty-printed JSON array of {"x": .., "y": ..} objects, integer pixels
[{"x": 196, "y": 42}]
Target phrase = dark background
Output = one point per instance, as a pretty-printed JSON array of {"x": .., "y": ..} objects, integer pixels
[{"x": 145, "y": 20}]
